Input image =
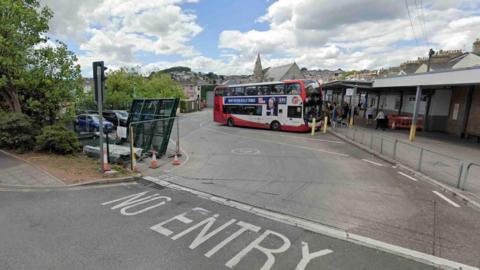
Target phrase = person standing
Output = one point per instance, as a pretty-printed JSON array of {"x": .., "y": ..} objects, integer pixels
[
  {"x": 333, "y": 121},
  {"x": 380, "y": 120},
  {"x": 369, "y": 114}
]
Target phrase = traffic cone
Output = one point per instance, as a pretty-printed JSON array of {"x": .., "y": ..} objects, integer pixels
[
  {"x": 154, "y": 162},
  {"x": 105, "y": 165},
  {"x": 176, "y": 161}
]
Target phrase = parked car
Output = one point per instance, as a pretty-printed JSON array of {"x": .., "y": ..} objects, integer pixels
[
  {"x": 91, "y": 122},
  {"x": 117, "y": 117}
]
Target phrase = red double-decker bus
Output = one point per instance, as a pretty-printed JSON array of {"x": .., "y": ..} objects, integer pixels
[{"x": 289, "y": 105}]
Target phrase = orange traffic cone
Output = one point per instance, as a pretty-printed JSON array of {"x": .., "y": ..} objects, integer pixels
[
  {"x": 154, "y": 162},
  {"x": 105, "y": 165},
  {"x": 176, "y": 161}
]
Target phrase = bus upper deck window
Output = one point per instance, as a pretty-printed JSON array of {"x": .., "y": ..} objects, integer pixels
[
  {"x": 251, "y": 91},
  {"x": 239, "y": 91},
  {"x": 278, "y": 89},
  {"x": 293, "y": 89}
]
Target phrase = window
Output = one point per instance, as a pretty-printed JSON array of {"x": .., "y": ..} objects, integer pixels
[
  {"x": 229, "y": 91},
  {"x": 278, "y": 89},
  {"x": 264, "y": 90},
  {"x": 239, "y": 91},
  {"x": 251, "y": 91},
  {"x": 294, "y": 111},
  {"x": 293, "y": 89},
  {"x": 243, "y": 109}
]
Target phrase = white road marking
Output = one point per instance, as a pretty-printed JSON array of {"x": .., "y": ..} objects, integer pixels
[
  {"x": 331, "y": 232},
  {"x": 255, "y": 244},
  {"x": 372, "y": 162},
  {"x": 244, "y": 226},
  {"x": 136, "y": 199},
  {"x": 446, "y": 199},
  {"x": 407, "y": 176},
  {"x": 280, "y": 143},
  {"x": 307, "y": 256}
]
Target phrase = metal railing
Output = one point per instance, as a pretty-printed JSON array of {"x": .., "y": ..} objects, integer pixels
[{"x": 450, "y": 170}]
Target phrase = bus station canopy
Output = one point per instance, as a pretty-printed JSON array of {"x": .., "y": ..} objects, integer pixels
[
  {"x": 467, "y": 76},
  {"x": 339, "y": 85}
]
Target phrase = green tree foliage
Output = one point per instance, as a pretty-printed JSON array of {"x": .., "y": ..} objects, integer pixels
[
  {"x": 57, "y": 139},
  {"x": 22, "y": 25},
  {"x": 16, "y": 131},
  {"x": 51, "y": 84},
  {"x": 123, "y": 85}
]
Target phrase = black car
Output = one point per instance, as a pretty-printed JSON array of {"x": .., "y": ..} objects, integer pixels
[{"x": 117, "y": 117}]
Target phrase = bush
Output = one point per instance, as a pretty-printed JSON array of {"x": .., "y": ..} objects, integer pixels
[
  {"x": 57, "y": 139},
  {"x": 16, "y": 131}
]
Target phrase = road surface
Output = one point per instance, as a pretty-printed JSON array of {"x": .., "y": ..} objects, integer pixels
[
  {"x": 144, "y": 226},
  {"x": 324, "y": 179}
]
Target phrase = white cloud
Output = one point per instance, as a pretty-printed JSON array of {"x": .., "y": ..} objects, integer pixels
[
  {"x": 357, "y": 34},
  {"x": 348, "y": 34},
  {"x": 115, "y": 30}
]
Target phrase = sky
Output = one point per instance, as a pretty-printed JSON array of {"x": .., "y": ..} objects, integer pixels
[{"x": 224, "y": 36}]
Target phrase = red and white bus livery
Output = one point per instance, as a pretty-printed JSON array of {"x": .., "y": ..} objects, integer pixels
[{"x": 284, "y": 105}]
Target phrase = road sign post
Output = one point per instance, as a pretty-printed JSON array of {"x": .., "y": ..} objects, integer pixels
[{"x": 99, "y": 78}]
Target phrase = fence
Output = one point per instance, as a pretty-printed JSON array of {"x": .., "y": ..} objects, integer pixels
[{"x": 455, "y": 172}]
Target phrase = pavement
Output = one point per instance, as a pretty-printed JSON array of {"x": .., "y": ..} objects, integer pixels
[
  {"x": 145, "y": 226},
  {"x": 328, "y": 181},
  {"x": 443, "y": 143},
  {"x": 438, "y": 156},
  {"x": 14, "y": 171}
]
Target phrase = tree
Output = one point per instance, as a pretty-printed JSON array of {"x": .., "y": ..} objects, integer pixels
[
  {"x": 50, "y": 85},
  {"x": 125, "y": 84},
  {"x": 22, "y": 25}
]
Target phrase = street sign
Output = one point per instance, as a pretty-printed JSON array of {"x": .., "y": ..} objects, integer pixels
[
  {"x": 99, "y": 74},
  {"x": 349, "y": 92}
]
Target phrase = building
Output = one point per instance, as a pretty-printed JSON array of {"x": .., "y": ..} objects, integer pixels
[
  {"x": 258, "y": 70},
  {"x": 450, "y": 99},
  {"x": 284, "y": 72}
]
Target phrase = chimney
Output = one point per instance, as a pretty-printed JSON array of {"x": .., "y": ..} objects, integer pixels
[{"x": 476, "y": 46}]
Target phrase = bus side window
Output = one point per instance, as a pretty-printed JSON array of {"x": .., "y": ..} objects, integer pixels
[
  {"x": 229, "y": 91},
  {"x": 294, "y": 112},
  {"x": 239, "y": 91},
  {"x": 293, "y": 89},
  {"x": 251, "y": 91},
  {"x": 278, "y": 89},
  {"x": 264, "y": 90},
  {"x": 259, "y": 110}
]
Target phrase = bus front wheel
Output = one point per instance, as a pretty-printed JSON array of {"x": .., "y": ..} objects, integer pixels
[
  {"x": 230, "y": 122},
  {"x": 275, "y": 126}
]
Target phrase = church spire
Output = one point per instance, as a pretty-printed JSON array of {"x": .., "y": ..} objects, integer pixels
[{"x": 258, "y": 71}]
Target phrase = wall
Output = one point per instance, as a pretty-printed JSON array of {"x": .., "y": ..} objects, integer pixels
[
  {"x": 473, "y": 125},
  {"x": 456, "y": 113}
]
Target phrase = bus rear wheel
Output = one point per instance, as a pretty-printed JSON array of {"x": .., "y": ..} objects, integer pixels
[
  {"x": 230, "y": 122},
  {"x": 275, "y": 126}
]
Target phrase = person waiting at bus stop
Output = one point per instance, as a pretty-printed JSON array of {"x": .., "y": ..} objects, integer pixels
[{"x": 381, "y": 120}]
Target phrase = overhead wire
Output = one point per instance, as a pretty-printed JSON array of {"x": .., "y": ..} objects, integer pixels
[{"x": 411, "y": 22}]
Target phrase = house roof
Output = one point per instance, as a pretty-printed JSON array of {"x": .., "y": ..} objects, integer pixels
[
  {"x": 465, "y": 76},
  {"x": 277, "y": 73}
]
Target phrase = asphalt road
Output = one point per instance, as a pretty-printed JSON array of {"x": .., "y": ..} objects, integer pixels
[
  {"x": 326, "y": 180},
  {"x": 144, "y": 226}
]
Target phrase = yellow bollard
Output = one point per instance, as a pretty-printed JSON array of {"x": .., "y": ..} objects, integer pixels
[
  {"x": 413, "y": 131},
  {"x": 351, "y": 121},
  {"x": 325, "y": 121},
  {"x": 313, "y": 126}
]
